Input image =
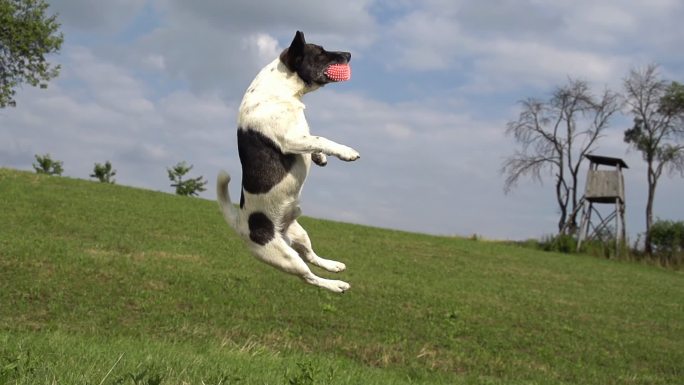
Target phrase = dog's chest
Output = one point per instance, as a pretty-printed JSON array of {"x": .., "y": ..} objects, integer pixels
[{"x": 269, "y": 112}]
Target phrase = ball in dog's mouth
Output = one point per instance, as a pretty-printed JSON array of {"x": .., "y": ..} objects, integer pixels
[{"x": 338, "y": 72}]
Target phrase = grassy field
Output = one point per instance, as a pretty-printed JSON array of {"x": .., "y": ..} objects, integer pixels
[{"x": 104, "y": 284}]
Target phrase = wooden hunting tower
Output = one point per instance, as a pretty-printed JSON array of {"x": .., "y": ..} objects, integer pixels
[{"x": 603, "y": 187}]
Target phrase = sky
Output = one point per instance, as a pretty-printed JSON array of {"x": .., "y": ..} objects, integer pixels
[{"x": 146, "y": 84}]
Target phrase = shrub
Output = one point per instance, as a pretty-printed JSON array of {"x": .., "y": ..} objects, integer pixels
[
  {"x": 562, "y": 243},
  {"x": 46, "y": 165},
  {"x": 104, "y": 172},
  {"x": 667, "y": 239},
  {"x": 601, "y": 245}
]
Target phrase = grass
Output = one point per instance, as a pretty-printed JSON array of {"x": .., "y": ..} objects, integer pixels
[{"x": 92, "y": 273}]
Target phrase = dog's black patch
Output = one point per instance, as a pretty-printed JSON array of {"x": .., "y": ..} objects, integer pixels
[
  {"x": 242, "y": 199},
  {"x": 261, "y": 229},
  {"x": 317, "y": 158},
  {"x": 263, "y": 164},
  {"x": 310, "y": 61}
]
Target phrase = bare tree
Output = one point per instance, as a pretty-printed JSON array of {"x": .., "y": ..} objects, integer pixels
[
  {"x": 658, "y": 132},
  {"x": 554, "y": 136}
]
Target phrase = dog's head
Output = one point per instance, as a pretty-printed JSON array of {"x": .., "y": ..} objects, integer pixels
[{"x": 314, "y": 65}]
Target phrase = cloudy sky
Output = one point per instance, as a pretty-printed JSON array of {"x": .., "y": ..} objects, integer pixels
[{"x": 148, "y": 83}]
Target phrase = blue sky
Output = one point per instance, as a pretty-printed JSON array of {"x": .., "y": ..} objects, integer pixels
[{"x": 148, "y": 83}]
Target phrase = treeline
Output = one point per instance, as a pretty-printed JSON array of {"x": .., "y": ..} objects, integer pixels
[{"x": 105, "y": 173}]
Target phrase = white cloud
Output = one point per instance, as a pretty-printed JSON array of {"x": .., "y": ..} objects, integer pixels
[
  {"x": 509, "y": 64},
  {"x": 155, "y": 62},
  {"x": 427, "y": 41},
  {"x": 267, "y": 47},
  {"x": 218, "y": 46},
  {"x": 106, "y": 83},
  {"x": 248, "y": 17},
  {"x": 532, "y": 42},
  {"x": 100, "y": 16}
]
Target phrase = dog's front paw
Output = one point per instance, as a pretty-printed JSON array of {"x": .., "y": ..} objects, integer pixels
[
  {"x": 348, "y": 154},
  {"x": 319, "y": 158}
]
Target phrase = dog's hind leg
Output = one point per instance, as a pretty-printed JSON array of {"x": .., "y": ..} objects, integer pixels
[
  {"x": 301, "y": 242},
  {"x": 279, "y": 254}
]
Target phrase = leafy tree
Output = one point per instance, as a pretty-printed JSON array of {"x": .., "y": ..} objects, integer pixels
[
  {"x": 555, "y": 135},
  {"x": 27, "y": 35},
  {"x": 46, "y": 165},
  {"x": 188, "y": 187},
  {"x": 658, "y": 131},
  {"x": 104, "y": 172}
]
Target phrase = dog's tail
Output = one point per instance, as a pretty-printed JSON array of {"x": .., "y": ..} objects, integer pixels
[{"x": 230, "y": 212}]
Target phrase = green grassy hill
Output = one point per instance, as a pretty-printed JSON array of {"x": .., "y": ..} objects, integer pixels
[{"x": 104, "y": 284}]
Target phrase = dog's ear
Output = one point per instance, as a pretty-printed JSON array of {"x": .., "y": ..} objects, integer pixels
[
  {"x": 299, "y": 39},
  {"x": 292, "y": 55}
]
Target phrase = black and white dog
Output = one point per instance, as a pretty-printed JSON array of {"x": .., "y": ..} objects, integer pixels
[{"x": 276, "y": 150}]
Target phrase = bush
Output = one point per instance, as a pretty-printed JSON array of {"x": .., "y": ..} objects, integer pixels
[
  {"x": 561, "y": 243},
  {"x": 46, "y": 165},
  {"x": 602, "y": 246},
  {"x": 667, "y": 239},
  {"x": 104, "y": 172}
]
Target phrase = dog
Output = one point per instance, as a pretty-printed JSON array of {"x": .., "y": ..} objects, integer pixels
[{"x": 276, "y": 150}]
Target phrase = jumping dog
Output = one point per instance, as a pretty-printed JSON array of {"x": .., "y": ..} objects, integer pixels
[{"x": 276, "y": 150}]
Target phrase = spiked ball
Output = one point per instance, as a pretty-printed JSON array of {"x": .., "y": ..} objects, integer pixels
[{"x": 339, "y": 72}]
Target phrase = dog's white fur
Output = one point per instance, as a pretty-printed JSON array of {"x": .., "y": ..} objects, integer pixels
[{"x": 272, "y": 106}]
